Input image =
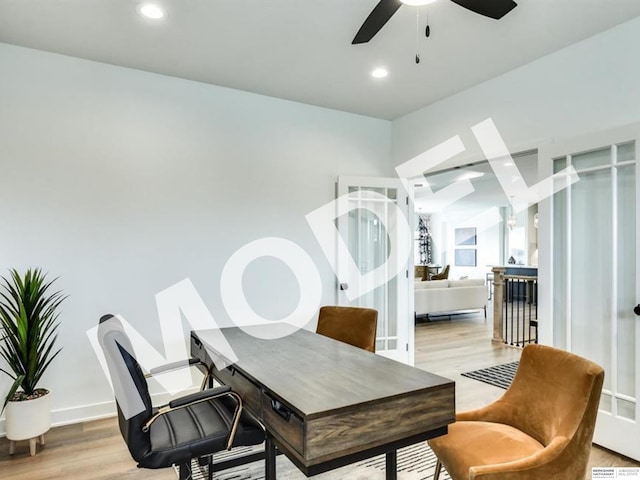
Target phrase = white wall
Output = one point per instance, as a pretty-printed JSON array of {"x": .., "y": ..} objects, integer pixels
[
  {"x": 587, "y": 87},
  {"x": 123, "y": 183},
  {"x": 487, "y": 243}
]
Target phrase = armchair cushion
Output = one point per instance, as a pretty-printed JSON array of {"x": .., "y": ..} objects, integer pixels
[{"x": 483, "y": 442}]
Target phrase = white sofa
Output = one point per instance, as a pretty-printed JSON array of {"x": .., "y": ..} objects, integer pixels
[{"x": 437, "y": 296}]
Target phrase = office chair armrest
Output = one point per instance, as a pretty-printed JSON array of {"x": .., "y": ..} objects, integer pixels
[
  {"x": 182, "y": 364},
  {"x": 199, "y": 397},
  {"x": 172, "y": 366}
]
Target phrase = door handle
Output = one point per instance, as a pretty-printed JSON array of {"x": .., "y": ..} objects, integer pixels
[
  {"x": 344, "y": 286},
  {"x": 636, "y": 309}
]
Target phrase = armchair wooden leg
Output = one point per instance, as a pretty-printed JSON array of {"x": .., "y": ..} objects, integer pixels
[{"x": 436, "y": 471}]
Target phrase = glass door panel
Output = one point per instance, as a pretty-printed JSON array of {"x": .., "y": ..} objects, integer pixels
[
  {"x": 626, "y": 354},
  {"x": 368, "y": 229},
  {"x": 591, "y": 242},
  {"x": 594, "y": 271}
]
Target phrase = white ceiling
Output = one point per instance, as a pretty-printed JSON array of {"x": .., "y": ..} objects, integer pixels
[
  {"x": 487, "y": 191},
  {"x": 301, "y": 49}
]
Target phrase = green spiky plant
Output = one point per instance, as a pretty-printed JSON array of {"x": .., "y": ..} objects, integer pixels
[{"x": 29, "y": 320}]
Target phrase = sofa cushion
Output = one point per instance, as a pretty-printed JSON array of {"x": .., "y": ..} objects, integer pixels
[
  {"x": 436, "y": 284},
  {"x": 470, "y": 282}
]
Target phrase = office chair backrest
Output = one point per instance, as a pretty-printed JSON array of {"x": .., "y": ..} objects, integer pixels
[
  {"x": 130, "y": 386},
  {"x": 555, "y": 394},
  {"x": 353, "y": 325}
]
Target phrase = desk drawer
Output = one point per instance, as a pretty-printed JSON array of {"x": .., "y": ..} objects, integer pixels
[
  {"x": 283, "y": 423},
  {"x": 240, "y": 384}
]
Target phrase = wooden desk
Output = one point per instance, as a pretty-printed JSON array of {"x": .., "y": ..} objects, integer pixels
[{"x": 326, "y": 404}]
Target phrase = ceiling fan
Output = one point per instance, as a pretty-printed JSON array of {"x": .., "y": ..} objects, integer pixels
[{"x": 385, "y": 9}]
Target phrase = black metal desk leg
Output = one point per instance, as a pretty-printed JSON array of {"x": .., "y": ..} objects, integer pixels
[
  {"x": 392, "y": 465},
  {"x": 270, "y": 458}
]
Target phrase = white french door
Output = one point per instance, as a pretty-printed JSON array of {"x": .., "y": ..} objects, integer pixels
[
  {"x": 592, "y": 272},
  {"x": 374, "y": 226}
]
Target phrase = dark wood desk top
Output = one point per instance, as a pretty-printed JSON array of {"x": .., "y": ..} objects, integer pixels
[{"x": 316, "y": 375}]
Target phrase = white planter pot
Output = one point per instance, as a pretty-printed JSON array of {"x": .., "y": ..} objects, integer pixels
[{"x": 29, "y": 418}]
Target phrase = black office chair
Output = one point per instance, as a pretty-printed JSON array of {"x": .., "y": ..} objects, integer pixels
[{"x": 191, "y": 427}]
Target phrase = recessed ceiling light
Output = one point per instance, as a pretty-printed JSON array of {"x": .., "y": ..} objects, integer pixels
[
  {"x": 417, "y": 3},
  {"x": 150, "y": 10},
  {"x": 379, "y": 73}
]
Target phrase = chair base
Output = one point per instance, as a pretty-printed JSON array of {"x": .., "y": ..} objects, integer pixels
[{"x": 185, "y": 471}]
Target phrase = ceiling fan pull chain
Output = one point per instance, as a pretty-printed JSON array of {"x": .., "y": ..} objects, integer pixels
[
  {"x": 427, "y": 30},
  {"x": 417, "y": 35}
]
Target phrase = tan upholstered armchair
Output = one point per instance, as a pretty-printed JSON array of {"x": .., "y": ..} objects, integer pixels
[
  {"x": 353, "y": 325},
  {"x": 541, "y": 428},
  {"x": 443, "y": 275}
]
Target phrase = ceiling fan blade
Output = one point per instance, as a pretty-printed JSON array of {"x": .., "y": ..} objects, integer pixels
[
  {"x": 380, "y": 15},
  {"x": 489, "y": 8}
]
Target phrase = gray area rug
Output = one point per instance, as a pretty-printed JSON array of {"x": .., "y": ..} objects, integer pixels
[
  {"x": 498, "y": 376},
  {"x": 415, "y": 462}
]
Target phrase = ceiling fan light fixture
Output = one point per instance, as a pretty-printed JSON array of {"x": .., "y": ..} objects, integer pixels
[
  {"x": 150, "y": 10},
  {"x": 379, "y": 72},
  {"x": 417, "y": 3}
]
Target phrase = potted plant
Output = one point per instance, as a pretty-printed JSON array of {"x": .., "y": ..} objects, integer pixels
[{"x": 29, "y": 320}]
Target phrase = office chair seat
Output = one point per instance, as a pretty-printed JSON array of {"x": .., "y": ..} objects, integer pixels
[{"x": 196, "y": 431}]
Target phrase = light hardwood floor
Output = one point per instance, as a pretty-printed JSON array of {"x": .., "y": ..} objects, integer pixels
[{"x": 95, "y": 451}]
